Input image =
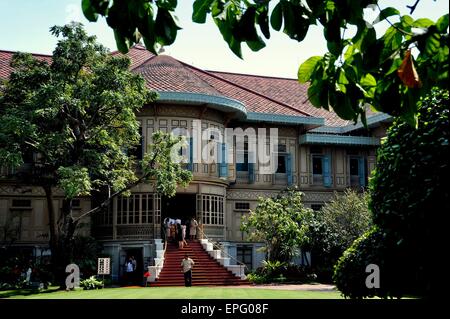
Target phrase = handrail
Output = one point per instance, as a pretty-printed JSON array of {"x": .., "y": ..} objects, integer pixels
[
  {"x": 223, "y": 251},
  {"x": 164, "y": 251}
]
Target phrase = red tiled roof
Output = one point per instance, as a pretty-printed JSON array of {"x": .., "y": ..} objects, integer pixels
[
  {"x": 164, "y": 73},
  {"x": 253, "y": 100},
  {"x": 262, "y": 94},
  {"x": 288, "y": 91},
  {"x": 5, "y": 61},
  {"x": 137, "y": 54}
]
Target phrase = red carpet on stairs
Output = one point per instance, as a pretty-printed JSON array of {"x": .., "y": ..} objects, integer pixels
[{"x": 206, "y": 271}]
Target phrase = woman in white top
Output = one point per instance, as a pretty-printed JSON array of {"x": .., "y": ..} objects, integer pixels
[
  {"x": 183, "y": 235},
  {"x": 167, "y": 223},
  {"x": 193, "y": 228}
]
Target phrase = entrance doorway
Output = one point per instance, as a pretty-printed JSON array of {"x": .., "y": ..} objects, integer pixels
[
  {"x": 134, "y": 278},
  {"x": 181, "y": 206}
]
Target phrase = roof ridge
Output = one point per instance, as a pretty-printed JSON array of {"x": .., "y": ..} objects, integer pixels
[
  {"x": 38, "y": 54},
  {"x": 183, "y": 67},
  {"x": 246, "y": 89},
  {"x": 143, "y": 62},
  {"x": 256, "y": 75}
]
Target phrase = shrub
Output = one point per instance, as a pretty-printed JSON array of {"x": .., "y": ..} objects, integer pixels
[
  {"x": 257, "y": 279},
  {"x": 409, "y": 194},
  {"x": 334, "y": 228},
  {"x": 281, "y": 223},
  {"x": 280, "y": 272},
  {"x": 91, "y": 283}
]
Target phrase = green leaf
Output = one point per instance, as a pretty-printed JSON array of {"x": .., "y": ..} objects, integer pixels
[
  {"x": 406, "y": 21},
  {"x": 122, "y": 43},
  {"x": 200, "y": 10},
  {"x": 395, "y": 65},
  {"x": 89, "y": 11},
  {"x": 165, "y": 27},
  {"x": 263, "y": 21},
  {"x": 432, "y": 43},
  {"x": 315, "y": 93},
  {"x": 307, "y": 68},
  {"x": 349, "y": 52},
  {"x": 276, "y": 19},
  {"x": 386, "y": 13},
  {"x": 225, "y": 30},
  {"x": 256, "y": 45},
  {"x": 342, "y": 79},
  {"x": 442, "y": 23},
  {"x": 422, "y": 23},
  {"x": 392, "y": 40},
  {"x": 368, "y": 80}
]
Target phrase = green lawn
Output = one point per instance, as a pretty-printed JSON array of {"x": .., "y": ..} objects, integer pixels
[{"x": 175, "y": 293}]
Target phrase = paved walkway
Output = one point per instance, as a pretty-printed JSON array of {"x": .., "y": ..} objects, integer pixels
[{"x": 304, "y": 287}]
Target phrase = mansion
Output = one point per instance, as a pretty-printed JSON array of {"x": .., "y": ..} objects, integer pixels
[{"x": 316, "y": 151}]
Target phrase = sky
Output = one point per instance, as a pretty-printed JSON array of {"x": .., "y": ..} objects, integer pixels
[{"x": 24, "y": 26}]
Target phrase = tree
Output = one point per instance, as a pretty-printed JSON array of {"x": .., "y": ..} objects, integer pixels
[
  {"x": 74, "y": 122},
  {"x": 407, "y": 213},
  {"x": 362, "y": 69},
  {"x": 281, "y": 223},
  {"x": 334, "y": 228}
]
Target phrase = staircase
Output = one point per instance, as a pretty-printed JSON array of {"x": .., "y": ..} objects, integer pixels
[{"x": 206, "y": 271}]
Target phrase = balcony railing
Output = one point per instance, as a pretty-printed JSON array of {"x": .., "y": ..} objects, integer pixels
[{"x": 135, "y": 231}]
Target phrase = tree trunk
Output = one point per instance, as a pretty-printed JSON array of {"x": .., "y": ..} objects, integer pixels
[
  {"x": 55, "y": 239},
  {"x": 53, "y": 225},
  {"x": 61, "y": 237}
]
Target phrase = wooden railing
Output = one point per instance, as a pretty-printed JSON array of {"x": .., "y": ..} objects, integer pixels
[{"x": 135, "y": 231}]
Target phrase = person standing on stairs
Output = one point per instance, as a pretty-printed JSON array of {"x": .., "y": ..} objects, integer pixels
[
  {"x": 179, "y": 235},
  {"x": 193, "y": 228},
  {"x": 183, "y": 236},
  {"x": 187, "y": 264}
]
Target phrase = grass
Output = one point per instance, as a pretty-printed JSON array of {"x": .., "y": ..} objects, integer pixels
[{"x": 172, "y": 293}]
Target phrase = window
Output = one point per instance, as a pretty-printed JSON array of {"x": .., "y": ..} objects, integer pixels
[
  {"x": 212, "y": 209},
  {"x": 316, "y": 207},
  {"x": 357, "y": 171},
  {"x": 354, "y": 166},
  {"x": 321, "y": 170},
  {"x": 242, "y": 154},
  {"x": 136, "y": 209},
  {"x": 21, "y": 203},
  {"x": 317, "y": 165},
  {"x": 242, "y": 206},
  {"x": 245, "y": 255},
  {"x": 281, "y": 168}
]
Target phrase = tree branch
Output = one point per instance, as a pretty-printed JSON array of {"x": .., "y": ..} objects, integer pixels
[
  {"x": 413, "y": 7},
  {"x": 106, "y": 202}
]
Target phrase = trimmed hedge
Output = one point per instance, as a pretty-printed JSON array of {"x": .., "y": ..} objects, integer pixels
[{"x": 409, "y": 197}]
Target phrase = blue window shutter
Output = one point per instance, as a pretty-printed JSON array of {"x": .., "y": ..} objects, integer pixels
[
  {"x": 251, "y": 171},
  {"x": 223, "y": 165},
  {"x": 191, "y": 154},
  {"x": 326, "y": 170},
  {"x": 361, "y": 172},
  {"x": 288, "y": 164}
]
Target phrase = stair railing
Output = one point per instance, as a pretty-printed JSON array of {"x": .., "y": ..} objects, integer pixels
[
  {"x": 203, "y": 236},
  {"x": 161, "y": 261}
]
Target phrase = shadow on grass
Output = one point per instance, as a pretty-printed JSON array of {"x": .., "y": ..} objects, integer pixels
[{"x": 27, "y": 292}]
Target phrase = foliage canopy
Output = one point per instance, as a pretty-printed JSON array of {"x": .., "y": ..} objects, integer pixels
[
  {"x": 360, "y": 69},
  {"x": 407, "y": 213}
]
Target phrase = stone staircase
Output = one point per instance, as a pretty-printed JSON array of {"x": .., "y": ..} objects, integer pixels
[{"x": 207, "y": 271}]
